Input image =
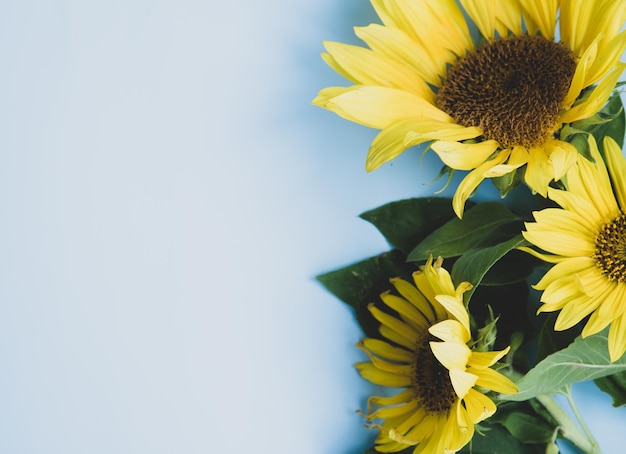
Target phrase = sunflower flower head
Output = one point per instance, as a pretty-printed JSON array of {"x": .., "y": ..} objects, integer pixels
[
  {"x": 585, "y": 239},
  {"x": 426, "y": 351},
  {"x": 490, "y": 106}
]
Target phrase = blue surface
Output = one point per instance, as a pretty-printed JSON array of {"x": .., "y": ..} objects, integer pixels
[{"x": 167, "y": 195}]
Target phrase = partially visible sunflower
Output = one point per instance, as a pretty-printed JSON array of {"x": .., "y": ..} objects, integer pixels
[
  {"x": 586, "y": 241},
  {"x": 491, "y": 108},
  {"x": 427, "y": 352}
]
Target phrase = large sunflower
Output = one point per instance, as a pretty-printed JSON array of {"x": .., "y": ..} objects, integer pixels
[
  {"x": 427, "y": 353},
  {"x": 586, "y": 240},
  {"x": 490, "y": 108}
]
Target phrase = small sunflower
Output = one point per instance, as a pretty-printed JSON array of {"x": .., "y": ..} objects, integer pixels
[
  {"x": 427, "y": 352},
  {"x": 488, "y": 109},
  {"x": 586, "y": 241}
]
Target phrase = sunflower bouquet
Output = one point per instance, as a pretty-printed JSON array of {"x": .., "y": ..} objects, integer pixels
[{"x": 481, "y": 312}]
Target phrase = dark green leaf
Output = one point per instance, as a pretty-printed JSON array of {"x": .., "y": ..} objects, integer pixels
[
  {"x": 458, "y": 236},
  {"x": 407, "y": 222},
  {"x": 615, "y": 128},
  {"x": 584, "y": 359},
  {"x": 551, "y": 341},
  {"x": 496, "y": 440},
  {"x": 361, "y": 283},
  {"x": 473, "y": 265},
  {"x": 515, "y": 266},
  {"x": 508, "y": 304},
  {"x": 614, "y": 386},
  {"x": 528, "y": 428}
]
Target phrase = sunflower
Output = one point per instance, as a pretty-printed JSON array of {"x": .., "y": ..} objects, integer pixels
[
  {"x": 586, "y": 241},
  {"x": 487, "y": 108},
  {"x": 427, "y": 352}
]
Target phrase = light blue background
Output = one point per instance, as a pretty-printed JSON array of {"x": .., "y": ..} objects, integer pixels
[{"x": 167, "y": 194}]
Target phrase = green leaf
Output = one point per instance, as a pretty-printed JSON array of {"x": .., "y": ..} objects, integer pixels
[
  {"x": 508, "y": 304},
  {"x": 585, "y": 359},
  {"x": 528, "y": 428},
  {"x": 473, "y": 265},
  {"x": 551, "y": 341},
  {"x": 407, "y": 222},
  {"x": 458, "y": 236},
  {"x": 515, "y": 266},
  {"x": 497, "y": 440},
  {"x": 361, "y": 283},
  {"x": 615, "y": 386}
]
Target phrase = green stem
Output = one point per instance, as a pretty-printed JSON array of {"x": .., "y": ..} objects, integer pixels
[
  {"x": 568, "y": 428},
  {"x": 567, "y": 392}
]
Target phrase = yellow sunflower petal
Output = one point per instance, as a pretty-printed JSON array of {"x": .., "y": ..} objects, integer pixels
[
  {"x": 479, "y": 406},
  {"x": 415, "y": 297},
  {"x": 400, "y": 398},
  {"x": 614, "y": 302},
  {"x": 549, "y": 258},
  {"x": 518, "y": 157},
  {"x": 396, "y": 410},
  {"x": 569, "y": 244},
  {"x": 539, "y": 171},
  {"x": 379, "y": 377},
  {"x": 482, "y": 360},
  {"x": 543, "y": 15},
  {"x": 456, "y": 308},
  {"x": 378, "y": 107},
  {"x": 393, "y": 323},
  {"x": 395, "y": 44},
  {"x": 574, "y": 312},
  {"x": 483, "y": 14},
  {"x": 579, "y": 81},
  {"x": 407, "y": 311},
  {"x": 607, "y": 59},
  {"x": 558, "y": 219},
  {"x": 617, "y": 338},
  {"x": 450, "y": 331},
  {"x": 562, "y": 155},
  {"x": 495, "y": 381},
  {"x": 464, "y": 156},
  {"x": 369, "y": 68},
  {"x": 384, "y": 350},
  {"x": 451, "y": 355},
  {"x": 595, "y": 324},
  {"x": 462, "y": 381},
  {"x": 617, "y": 168},
  {"x": 509, "y": 17},
  {"x": 563, "y": 269},
  {"x": 472, "y": 180},
  {"x": 598, "y": 98},
  {"x": 400, "y": 135}
]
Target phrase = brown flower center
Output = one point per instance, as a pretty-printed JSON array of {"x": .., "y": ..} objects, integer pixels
[
  {"x": 512, "y": 88},
  {"x": 431, "y": 380},
  {"x": 610, "y": 252}
]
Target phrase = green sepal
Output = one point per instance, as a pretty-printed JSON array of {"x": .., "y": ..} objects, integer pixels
[
  {"x": 405, "y": 223},
  {"x": 483, "y": 224},
  {"x": 361, "y": 283},
  {"x": 610, "y": 121},
  {"x": 509, "y": 181}
]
